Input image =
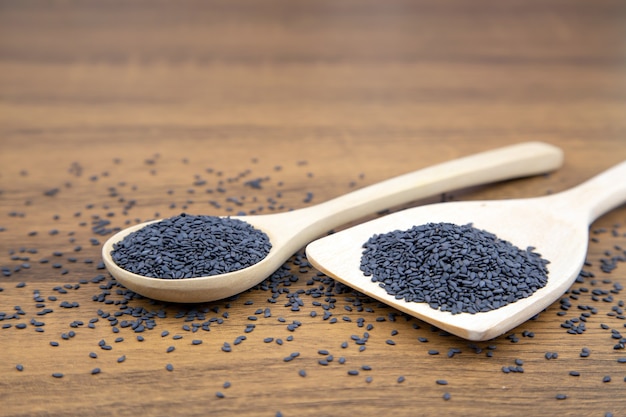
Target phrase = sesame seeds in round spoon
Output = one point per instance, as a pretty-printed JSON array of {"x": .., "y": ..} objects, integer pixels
[
  {"x": 471, "y": 284},
  {"x": 290, "y": 231}
]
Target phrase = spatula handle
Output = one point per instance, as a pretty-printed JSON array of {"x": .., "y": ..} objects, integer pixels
[
  {"x": 524, "y": 159},
  {"x": 597, "y": 195}
]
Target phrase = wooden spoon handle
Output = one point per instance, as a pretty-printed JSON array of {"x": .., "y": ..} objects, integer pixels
[
  {"x": 595, "y": 196},
  {"x": 529, "y": 158}
]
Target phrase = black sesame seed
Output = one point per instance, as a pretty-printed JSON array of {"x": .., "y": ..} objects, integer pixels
[
  {"x": 57, "y": 375},
  {"x": 95, "y": 371}
]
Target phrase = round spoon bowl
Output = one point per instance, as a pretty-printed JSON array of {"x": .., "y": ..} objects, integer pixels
[{"x": 201, "y": 289}]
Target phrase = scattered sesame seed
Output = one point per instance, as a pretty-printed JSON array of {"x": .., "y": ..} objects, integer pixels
[{"x": 317, "y": 300}]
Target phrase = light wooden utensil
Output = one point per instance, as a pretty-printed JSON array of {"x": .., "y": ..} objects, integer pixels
[
  {"x": 291, "y": 231},
  {"x": 556, "y": 225}
]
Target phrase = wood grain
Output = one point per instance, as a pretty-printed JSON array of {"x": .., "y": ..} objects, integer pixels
[{"x": 133, "y": 110}]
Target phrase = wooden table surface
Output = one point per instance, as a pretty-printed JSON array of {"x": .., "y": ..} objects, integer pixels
[{"x": 120, "y": 111}]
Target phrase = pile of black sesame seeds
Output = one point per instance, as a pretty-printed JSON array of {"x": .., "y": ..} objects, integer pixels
[
  {"x": 188, "y": 246},
  {"x": 111, "y": 317},
  {"x": 455, "y": 268}
]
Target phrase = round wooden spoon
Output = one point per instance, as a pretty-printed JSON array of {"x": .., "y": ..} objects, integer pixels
[
  {"x": 290, "y": 231},
  {"x": 556, "y": 225}
]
